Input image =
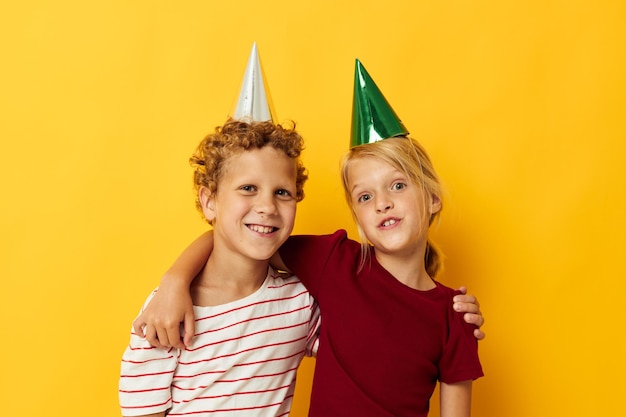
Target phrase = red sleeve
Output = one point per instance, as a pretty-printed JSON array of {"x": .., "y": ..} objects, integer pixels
[
  {"x": 307, "y": 256},
  {"x": 459, "y": 361}
]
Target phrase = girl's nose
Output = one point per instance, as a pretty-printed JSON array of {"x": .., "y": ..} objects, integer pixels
[{"x": 383, "y": 204}]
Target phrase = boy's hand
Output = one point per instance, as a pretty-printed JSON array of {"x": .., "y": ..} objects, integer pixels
[
  {"x": 160, "y": 322},
  {"x": 468, "y": 304}
]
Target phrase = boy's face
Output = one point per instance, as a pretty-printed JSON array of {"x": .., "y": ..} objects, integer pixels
[{"x": 255, "y": 205}]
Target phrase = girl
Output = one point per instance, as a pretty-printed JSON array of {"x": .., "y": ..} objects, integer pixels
[{"x": 389, "y": 331}]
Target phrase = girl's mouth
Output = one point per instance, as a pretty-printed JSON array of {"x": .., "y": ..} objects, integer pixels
[{"x": 389, "y": 222}]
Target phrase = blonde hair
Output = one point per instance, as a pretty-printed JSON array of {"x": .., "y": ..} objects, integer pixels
[
  {"x": 236, "y": 136},
  {"x": 409, "y": 157}
]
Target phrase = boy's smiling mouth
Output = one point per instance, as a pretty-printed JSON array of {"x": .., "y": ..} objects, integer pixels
[{"x": 262, "y": 229}]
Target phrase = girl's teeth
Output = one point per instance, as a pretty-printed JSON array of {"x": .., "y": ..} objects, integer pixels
[{"x": 389, "y": 223}]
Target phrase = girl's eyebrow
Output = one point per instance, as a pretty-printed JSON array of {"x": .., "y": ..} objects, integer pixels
[{"x": 355, "y": 186}]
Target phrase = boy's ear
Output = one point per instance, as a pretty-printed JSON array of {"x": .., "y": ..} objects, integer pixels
[
  {"x": 207, "y": 202},
  {"x": 435, "y": 204}
]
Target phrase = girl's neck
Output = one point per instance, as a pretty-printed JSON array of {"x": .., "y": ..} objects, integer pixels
[{"x": 410, "y": 270}]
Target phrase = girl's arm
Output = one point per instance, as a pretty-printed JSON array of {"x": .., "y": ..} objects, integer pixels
[
  {"x": 160, "y": 320},
  {"x": 171, "y": 305},
  {"x": 456, "y": 399}
]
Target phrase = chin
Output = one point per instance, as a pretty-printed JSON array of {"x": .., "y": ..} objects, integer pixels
[{"x": 262, "y": 255}]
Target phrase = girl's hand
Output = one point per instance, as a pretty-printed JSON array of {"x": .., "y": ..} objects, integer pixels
[
  {"x": 468, "y": 304},
  {"x": 160, "y": 322}
]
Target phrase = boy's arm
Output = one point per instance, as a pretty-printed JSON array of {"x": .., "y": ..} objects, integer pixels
[
  {"x": 456, "y": 399},
  {"x": 467, "y": 303},
  {"x": 172, "y": 305}
]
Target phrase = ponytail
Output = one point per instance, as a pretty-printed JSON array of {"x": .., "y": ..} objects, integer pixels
[{"x": 433, "y": 261}]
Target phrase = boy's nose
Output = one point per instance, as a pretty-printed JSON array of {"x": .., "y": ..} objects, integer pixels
[{"x": 265, "y": 204}]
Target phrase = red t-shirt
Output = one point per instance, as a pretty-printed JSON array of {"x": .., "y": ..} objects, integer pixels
[{"x": 383, "y": 345}]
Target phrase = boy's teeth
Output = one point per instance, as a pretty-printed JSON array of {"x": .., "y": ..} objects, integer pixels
[
  {"x": 389, "y": 223},
  {"x": 261, "y": 229}
]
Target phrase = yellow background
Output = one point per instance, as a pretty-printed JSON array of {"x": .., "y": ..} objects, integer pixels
[{"x": 521, "y": 105}]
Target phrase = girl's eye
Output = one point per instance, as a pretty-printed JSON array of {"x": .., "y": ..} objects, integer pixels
[
  {"x": 364, "y": 198},
  {"x": 398, "y": 186}
]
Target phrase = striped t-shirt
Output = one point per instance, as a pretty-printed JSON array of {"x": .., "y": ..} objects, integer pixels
[{"x": 242, "y": 362}]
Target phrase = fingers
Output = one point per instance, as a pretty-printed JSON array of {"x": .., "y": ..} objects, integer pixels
[
  {"x": 189, "y": 328},
  {"x": 478, "y": 321},
  {"x": 463, "y": 307},
  {"x": 138, "y": 326},
  {"x": 164, "y": 340},
  {"x": 168, "y": 336},
  {"x": 479, "y": 334},
  {"x": 468, "y": 304},
  {"x": 141, "y": 328},
  {"x": 475, "y": 319},
  {"x": 466, "y": 298},
  {"x": 151, "y": 336},
  {"x": 161, "y": 336},
  {"x": 175, "y": 339}
]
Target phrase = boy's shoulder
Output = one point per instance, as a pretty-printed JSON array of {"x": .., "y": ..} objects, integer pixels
[
  {"x": 279, "y": 278},
  {"x": 279, "y": 274}
]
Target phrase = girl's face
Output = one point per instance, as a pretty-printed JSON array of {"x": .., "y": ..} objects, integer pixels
[
  {"x": 254, "y": 209},
  {"x": 392, "y": 211}
]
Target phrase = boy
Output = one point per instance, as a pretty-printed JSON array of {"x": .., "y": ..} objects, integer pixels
[{"x": 252, "y": 325}]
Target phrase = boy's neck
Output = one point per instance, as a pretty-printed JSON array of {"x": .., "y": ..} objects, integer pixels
[{"x": 225, "y": 280}]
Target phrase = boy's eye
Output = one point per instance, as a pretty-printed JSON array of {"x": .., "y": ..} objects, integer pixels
[
  {"x": 248, "y": 188},
  {"x": 283, "y": 193}
]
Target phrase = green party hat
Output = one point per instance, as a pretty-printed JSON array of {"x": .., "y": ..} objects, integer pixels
[
  {"x": 254, "y": 103},
  {"x": 373, "y": 119}
]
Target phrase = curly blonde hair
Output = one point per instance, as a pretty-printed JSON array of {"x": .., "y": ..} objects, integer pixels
[{"x": 236, "y": 136}]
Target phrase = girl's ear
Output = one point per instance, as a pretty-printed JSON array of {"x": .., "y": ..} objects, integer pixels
[
  {"x": 207, "y": 202},
  {"x": 435, "y": 204}
]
